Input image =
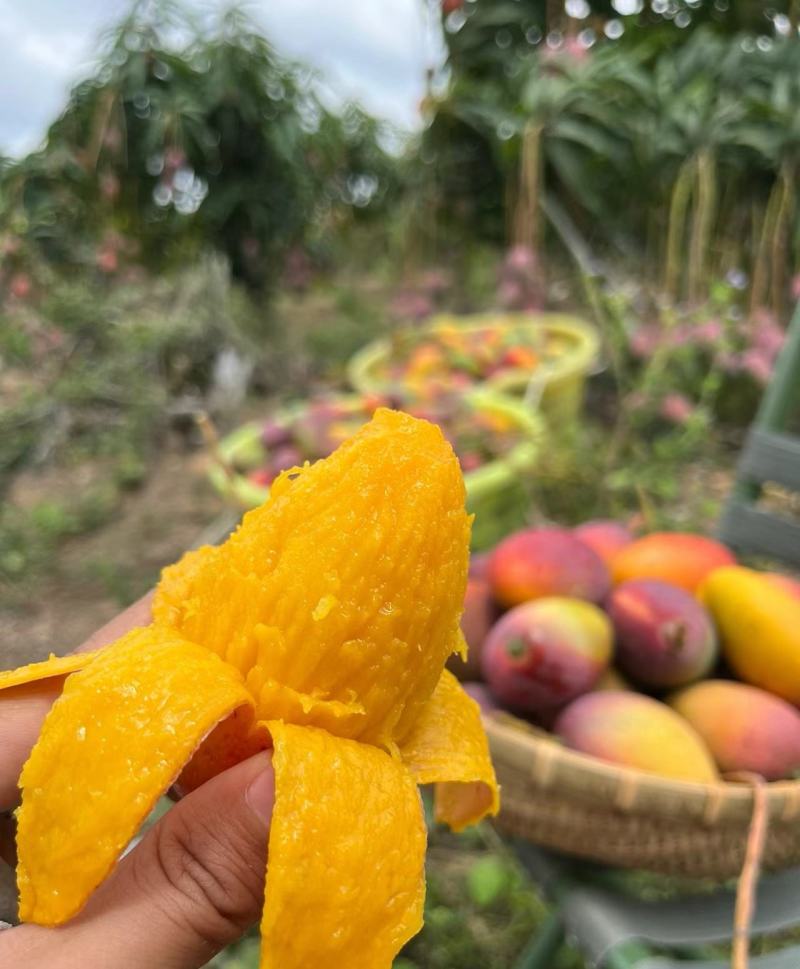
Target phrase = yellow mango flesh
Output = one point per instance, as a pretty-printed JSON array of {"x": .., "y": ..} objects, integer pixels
[
  {"x": 347, "y": 843},
  {"x": 108, "y": 749},
  {"x": 759, "y": 626},
  {"x": 447, "y": 745},
  {"x": 321, "y": 626},
  {"x": 344, "y": 590}
]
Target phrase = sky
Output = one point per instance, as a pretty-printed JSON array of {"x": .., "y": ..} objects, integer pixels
[{"x": 373, "y": 50}]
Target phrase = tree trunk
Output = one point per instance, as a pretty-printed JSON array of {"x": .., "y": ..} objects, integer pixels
[
  {"x": 780, "y": 254},
  {"x": 760, "y": 281},
  {"x": 527, "y": 220},
  {"x": 679, "y": 203},
  {"x": 702, "y": 221}
]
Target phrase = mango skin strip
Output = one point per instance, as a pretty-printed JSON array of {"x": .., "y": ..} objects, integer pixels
[
  {"x": 448, "y": 745},
  {"x": 345, "y": 876},
  {"x": 54, "y": 666},
  {"x": 110, "y": 746}
]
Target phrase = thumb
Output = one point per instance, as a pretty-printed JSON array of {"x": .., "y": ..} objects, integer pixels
[{"x": 193, "y": 884}]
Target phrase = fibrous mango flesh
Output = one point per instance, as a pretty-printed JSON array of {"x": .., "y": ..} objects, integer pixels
[{"x": 321, "y": 626}]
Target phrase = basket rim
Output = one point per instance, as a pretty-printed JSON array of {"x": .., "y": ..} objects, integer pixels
[
  {"x": 578, "y": 359},
  {"x": 522, "y": 457},
  {"x": 547, "y": 765}
]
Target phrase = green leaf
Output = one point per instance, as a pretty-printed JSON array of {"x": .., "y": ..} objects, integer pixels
[{"x": 488, "y": 880}]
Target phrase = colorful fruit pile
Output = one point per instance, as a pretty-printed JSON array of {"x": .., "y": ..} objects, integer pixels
[
  {"x": 477, "y": 434},
  {"x": 454, "y": 357},
  {"x": 659, "y": 653}
]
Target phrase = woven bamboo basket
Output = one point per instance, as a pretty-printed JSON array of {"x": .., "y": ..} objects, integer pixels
[{"x": 627, "y": 818}]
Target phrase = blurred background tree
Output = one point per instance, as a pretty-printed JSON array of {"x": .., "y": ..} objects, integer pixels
[
  {"x": 193, "y": 133},
  {"x": 665, "y": 132}
]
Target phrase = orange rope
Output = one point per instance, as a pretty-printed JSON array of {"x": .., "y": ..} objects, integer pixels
[{"x": 748, "y": 878}]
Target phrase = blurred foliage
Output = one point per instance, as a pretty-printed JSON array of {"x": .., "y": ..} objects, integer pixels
[
  {"x": 480, "y": 911},
  {"x": 29, "y": 538},
  {"x": 97, "y": 375},
  {"x": 487, "y": 38},
  {"x": 96, "y": 370},
  {"x": 93, "y": 376},
  {"x": 678, "y": 158},
  {"x": 192, "y": 132}
]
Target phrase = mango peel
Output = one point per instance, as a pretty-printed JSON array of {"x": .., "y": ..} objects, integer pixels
[{"x": 320, "y": 627}]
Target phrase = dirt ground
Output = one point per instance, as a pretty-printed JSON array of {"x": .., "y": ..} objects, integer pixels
[{"x": 98, "y": 573}]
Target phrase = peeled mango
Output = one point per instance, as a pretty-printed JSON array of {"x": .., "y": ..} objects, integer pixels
[
  {"x": 320, "y": 628},
  {"x": 759, "y": 628}
]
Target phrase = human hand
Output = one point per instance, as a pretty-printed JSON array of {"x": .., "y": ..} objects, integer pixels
[{"x": 192, "y": 885}]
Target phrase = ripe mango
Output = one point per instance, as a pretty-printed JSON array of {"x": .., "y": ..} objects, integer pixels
[
  {"x": 636, "y": 731},
  {"x": 665, "y": 638},
  {"x": 745, "y": 728},
  {"x": 611, "y": 679},
  {"x": 675, "y": 557},
  {"x": 541, "y": 562},
  {"x": 604, "y": 536},
  {"x": 543, "y": 654},
  {"x": 785, "y": 582},
  {"x": 759, "y": 627}
]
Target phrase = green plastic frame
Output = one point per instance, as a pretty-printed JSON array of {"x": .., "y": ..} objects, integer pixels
[
  {"x": 558, "y": 384},
  {"x": 495, "y": 492}
]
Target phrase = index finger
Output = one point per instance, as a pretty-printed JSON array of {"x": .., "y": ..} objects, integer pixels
[{"x": 23, "y": 708}]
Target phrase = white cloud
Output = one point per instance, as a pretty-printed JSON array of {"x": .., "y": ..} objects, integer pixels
[{"x": 373, "y": 50}]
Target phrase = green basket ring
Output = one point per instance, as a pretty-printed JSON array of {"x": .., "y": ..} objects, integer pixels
[
  {"x": 497, "y": 492},
  {"x": 557, "y": 385}
]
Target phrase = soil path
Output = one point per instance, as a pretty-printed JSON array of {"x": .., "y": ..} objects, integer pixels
[{"x": 97, "y": 574}]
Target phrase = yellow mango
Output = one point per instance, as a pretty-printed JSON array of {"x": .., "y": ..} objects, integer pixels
[{"x": 759, "y": 626}]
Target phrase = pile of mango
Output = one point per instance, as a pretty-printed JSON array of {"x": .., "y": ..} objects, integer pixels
[{"x": 658, "y": 652}]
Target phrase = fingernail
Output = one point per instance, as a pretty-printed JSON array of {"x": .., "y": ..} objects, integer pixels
[{"x": 260, "y": 794}]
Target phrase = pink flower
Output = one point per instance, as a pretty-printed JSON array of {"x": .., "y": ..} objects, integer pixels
[
  {"x": 758, "y": 365},
  {"x": 575, "y": 49},
  {"x": 676, "y": 408},
  {"x": 412, "y": 306},
  {"x": 796, "y": 286},
  {"x": 768, "y": 337},
  {"x": 20, "y": 285},
  {"x": 709, "y": 332},
  {"x": 644, "y": 341},
  {"x": 107, "y": 260},
  {"x": 521, "y": 259}
]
